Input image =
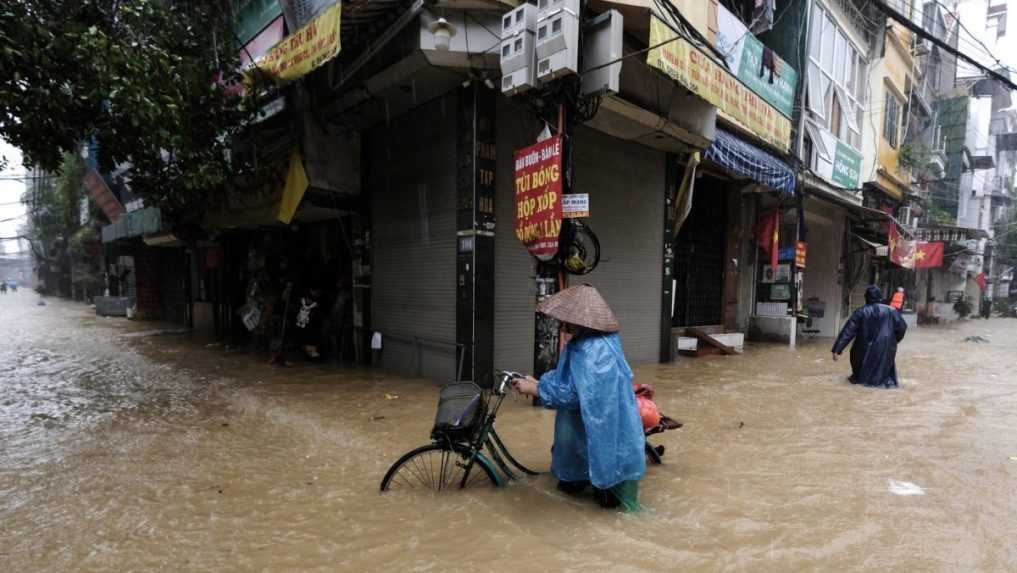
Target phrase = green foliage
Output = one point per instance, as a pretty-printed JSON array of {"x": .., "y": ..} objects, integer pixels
[
  {"x": 937, "y": 215},
  {"x": 54, "y": 208},
  {"x": 137, "y": 76}
]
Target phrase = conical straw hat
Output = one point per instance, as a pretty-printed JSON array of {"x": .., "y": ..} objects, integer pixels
[{"x": 583, "y": 306}]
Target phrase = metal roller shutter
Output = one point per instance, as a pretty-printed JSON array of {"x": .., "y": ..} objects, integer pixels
[
  {"x": 626, "y": 186},
  {"x": 514, "y": 291},
  {"x": 412, "y": 167}
]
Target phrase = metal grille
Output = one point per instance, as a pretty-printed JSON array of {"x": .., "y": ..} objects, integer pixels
[{"x": 699, "y": 259}]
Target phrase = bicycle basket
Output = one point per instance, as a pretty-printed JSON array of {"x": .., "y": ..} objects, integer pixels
[{"x": 461, "y": 410}]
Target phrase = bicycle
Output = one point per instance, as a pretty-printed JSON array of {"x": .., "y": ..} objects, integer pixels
[{"x": 455, "y": 458}]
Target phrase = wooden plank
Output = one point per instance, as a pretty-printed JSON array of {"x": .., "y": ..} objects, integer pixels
[{"x": 708, "y": 339}]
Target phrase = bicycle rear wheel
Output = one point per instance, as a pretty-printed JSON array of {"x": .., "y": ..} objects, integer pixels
[{"x": 437, "y": 467}]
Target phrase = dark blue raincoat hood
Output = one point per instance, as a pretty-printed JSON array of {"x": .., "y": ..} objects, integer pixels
[{"x": 872, "y": 294}]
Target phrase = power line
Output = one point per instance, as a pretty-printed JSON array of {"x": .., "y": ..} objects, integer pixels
[{"x": 903, "y": 20}]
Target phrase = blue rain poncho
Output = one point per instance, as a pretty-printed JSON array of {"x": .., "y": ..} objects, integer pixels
[
  {"x": 876, "y": 329},
  {"x": 598, "y": 434}
]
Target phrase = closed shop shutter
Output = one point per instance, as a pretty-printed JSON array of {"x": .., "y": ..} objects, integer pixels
[
  {"x": 174, "y": 285},
  {"x": 412, "y": 172},
  {"x": 626, "y": 186},
  {"x": 515, "y": 290}
]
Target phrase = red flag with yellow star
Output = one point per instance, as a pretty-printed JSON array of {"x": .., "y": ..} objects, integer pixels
[
  {"x": 902, "y": 251},
  {"x": 928, "y": 255}
]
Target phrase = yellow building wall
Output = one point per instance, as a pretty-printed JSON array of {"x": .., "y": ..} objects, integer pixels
[{"x": 897, "y": 68}]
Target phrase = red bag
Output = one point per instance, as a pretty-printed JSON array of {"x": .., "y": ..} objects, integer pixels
[{"x": 648, "y": 410}]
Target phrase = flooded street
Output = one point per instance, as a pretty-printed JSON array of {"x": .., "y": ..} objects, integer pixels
[{"x": 123, "y": 449}]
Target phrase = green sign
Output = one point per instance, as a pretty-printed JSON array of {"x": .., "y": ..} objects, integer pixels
[
  {"x": 847, "y": 166},
  {"x": 760, "y": 69},
  {"x": 253, "y": 16},
  {"x": 779, "y": 89}
]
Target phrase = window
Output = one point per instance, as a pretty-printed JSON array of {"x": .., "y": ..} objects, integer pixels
[
  {"x": 891, "y": 119},
  {"x": 995, "y": 21},
  {"x": 836, "y": 79}
]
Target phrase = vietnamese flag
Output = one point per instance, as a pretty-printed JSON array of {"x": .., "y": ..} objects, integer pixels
[
  {"x": 928, "y": 255},
  {"x": 768, "y": 236}
]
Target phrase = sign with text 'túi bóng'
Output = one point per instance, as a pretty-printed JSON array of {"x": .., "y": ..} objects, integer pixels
[{"x": 538, "y": 187}]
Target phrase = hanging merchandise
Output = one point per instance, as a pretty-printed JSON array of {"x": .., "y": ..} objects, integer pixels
[
  {"x": 762, "y": 15},
  {"x": 579, "y": 249},
  {"x": 768, "y": 235}
]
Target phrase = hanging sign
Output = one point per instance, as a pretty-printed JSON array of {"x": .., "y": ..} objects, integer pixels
[
  {"x": 538, "y": 185},
  {"x": 303, "y": 51},
  {"x": 575, "y": 205},
  {"x": 700, "y": 74},
  {"x": 102, "y": 195},
  {"x": 801, "y": 249}
]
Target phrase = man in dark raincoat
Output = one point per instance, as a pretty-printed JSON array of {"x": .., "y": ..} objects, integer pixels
[{"x": 876, "y": 329}]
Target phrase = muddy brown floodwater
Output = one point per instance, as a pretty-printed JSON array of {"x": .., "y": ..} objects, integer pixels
[{"x": 123, "y": 450}]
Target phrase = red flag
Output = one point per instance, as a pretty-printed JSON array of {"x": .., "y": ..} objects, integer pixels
[
  {"x": 928, "y": 255},
  {"x": 980, "y": 279},
  {"x": 902, "y": 251},
  {"x": 768, "y": 235}
]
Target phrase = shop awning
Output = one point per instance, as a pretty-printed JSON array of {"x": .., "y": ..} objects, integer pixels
[
  {"x": 269, "y": 200},
  {"x": 133, "y": 224},
  {"x": 733, "y": 153}
]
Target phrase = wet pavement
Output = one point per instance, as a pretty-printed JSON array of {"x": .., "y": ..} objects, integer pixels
[{"x": 123, "y": 448}]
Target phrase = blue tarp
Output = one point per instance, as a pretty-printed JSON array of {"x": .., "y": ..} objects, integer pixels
[{"x": 734, "y": 153}]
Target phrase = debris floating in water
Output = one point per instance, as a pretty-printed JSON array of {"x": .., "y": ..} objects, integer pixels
[
  {"x": 391, "y": 396},
  {"x": 977, "y": 339},
  {"x": 904, "y": 488}
]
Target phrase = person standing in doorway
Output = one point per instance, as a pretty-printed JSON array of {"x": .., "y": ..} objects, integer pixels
[{"x": 875, "y": 329}]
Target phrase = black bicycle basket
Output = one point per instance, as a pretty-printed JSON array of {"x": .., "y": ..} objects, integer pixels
[{"x": 461, "y": 411}]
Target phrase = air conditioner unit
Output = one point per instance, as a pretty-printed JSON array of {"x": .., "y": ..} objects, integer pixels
[{"x": 922, "y": 46}]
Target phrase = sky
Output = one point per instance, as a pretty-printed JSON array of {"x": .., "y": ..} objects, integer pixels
[{"x": 12, "y": 212}]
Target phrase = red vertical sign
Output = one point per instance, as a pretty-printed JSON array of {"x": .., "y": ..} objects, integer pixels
[{"x": 538, "y": 197}]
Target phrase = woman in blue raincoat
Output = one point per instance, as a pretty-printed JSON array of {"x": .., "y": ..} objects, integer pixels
[
  {"x": 598, "y": 433},
  {"x": 876, "y": 329}
]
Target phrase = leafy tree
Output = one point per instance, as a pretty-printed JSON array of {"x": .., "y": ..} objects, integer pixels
[
  {"x": 144, "y": 79},
  {"x": 53, "y": 203}
]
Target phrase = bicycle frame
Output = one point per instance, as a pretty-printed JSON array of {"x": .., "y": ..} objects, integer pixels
[{"x": 488, "y": 438}]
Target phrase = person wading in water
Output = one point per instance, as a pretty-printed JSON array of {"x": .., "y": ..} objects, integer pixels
[
  {"x": 875, "y": 329},
  {"x": 598, "y": 433}
]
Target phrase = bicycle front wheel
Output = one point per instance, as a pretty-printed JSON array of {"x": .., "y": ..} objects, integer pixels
[{"x": 436, "y": 467}]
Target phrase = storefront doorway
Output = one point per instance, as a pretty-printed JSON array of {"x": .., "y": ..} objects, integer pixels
[{"x": 699, "y": 258}]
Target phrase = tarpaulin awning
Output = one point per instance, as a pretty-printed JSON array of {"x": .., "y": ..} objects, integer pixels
[
  {"x": 133, "y": 224},
  {"x": 732, "y": 152},
  {"x": 267, "y": 198}
]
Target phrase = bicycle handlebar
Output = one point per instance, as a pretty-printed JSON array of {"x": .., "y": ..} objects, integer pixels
[{"x": 506, "y": 377}]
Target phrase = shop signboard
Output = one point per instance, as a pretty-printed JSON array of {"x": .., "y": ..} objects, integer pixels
[
  {"x": 538, "y": 190},
  {"x": 700, "y": 74},
  {"x": 575, "y": 205},
  {"x": 801, "y": 249},
  {"x": 764, "y": 72},
  {"x": 847, "y": 166},
  {"x": 103, "y": 197},
  {"x": 305, "y": 50},
  {"x": 252, "y": 16}
]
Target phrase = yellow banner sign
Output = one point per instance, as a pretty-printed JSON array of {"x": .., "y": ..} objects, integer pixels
[
  {"x": 709, "y": 80},
  {"x": 305, "y": 50}
]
